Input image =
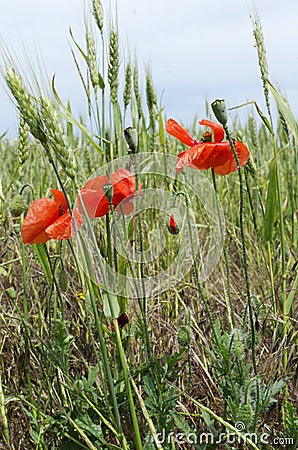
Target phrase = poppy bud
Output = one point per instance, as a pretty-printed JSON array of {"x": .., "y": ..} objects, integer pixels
[
  {"x": 122, "y": 321},
  {"x": 173, "y": 223},
  {"x": 11, "y": 293},
  {"x": 219, "y": 108},
  {"x": 184, "y": 336},
  {"x": 131, "y": 138},
  {"x": 17, "y": 206},
  {"x": 108, "y": 190}
]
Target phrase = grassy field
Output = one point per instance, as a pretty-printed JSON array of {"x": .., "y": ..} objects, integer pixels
[{"x": 193, "y": 343}]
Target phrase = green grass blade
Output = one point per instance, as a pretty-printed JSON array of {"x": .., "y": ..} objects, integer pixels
[
  {"x": 70, "y": 118},
  {"x": 271, "y": 201},
  {"x": 41, "y": 253},
  {"x": 291, "y": 296},
  {"x": 284, "y": 108}
]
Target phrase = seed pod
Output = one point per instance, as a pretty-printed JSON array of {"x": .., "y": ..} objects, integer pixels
[
  {"x": 219, "y": 108},
  {"x": 131, "y": 138},
  {"x": 108, "y": 191}
]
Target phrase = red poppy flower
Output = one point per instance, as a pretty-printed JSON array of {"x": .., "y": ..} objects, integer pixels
[
  {"x": 93, "y": 197},
  {"x": 49, "y": 219},
  {"x": 95, "y": 201},
  {"x": 206, "y": 154}
]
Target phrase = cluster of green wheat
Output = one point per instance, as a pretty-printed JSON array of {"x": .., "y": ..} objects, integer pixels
[{"x": 198, "y": 359}]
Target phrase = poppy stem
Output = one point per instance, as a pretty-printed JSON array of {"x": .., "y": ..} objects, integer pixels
[
  {"x": 24, "y": 187},
  {"x": 230, "y": 303},
  {"x": 211, "y": 321},
  {"x": 249, "y": 305}
]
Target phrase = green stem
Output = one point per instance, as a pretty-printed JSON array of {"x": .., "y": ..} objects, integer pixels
[
  {"x": 26, "y": 331},
  {"x": 118, "y": 343},
  {"x": 228, "y": 275},
  {"x": 106, "y": 365},
  {"x": 123, "y": 360},
  {"x": 245, "y": 268},
  {"x": 197, "y": 271}
]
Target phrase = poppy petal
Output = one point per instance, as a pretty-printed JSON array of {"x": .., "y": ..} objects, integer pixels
[
  {"x": 214, "y": 154},
  {"x": 179, "y": 132},
  {"x": 60, "y": 199},
  {"x": 63, "y": 227},
  {"x": 230, "y": 165},
  {"x": 124, "y": 185},
  {"x": 204, "y": 155},
  {"x": 190, "y": 157},
  {"x": 96, "y": 183},
  {"x": 126, "y": 206},
  {"x": 41, "y": 214},
  {"x": 95, "y": 203},
  {"x": 218, "y": 131}
]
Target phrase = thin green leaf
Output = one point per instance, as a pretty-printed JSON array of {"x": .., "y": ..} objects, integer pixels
[
  {"x": 114, "y": 306},
  {"x": 42, "y": 256},
  {"x": 101, "y": 82},
  {"x": 285, "y": 110},
  {"x": 264, "y": 118},
  {"x": 69, "y": 128},
  {"x": 3, "y": 134},
  {"x": 69, "y": 118},
  {"x": 291, "y": 296},
  {"x": 85, "y": 57},
  {"x": 271, "y": 201}
]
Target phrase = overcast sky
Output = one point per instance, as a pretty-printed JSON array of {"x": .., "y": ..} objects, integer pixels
[{"x": 196, "y": 50}]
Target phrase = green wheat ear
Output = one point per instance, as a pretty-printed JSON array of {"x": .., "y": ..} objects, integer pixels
[
  {"x": 56, "y": 136},
  {"x": 128, "y": 86},
  {"x": 151, "y": 98},
  {"x": 91, "y": 62},
  {"x": 137, "y": 93},
  {"x": 98, "y": 14},
  {"x": 263, "y": 64},
  {"x": 113, "y": 68},
  {"x": 26, "y": 104},
  {"x": 23, "y": 141}
]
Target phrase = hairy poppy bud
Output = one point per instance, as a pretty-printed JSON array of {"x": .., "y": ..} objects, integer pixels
[
  {"x": 173, "y": 223},
  {"x": 219, "y": 108},
  {"x": 108, "y": 191},
  {"x": 11, "y": 293},
  {"x": 131, "y": 138},
  {"x": 17, "y": 206},
  {"x": 184, "y": 336}
]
